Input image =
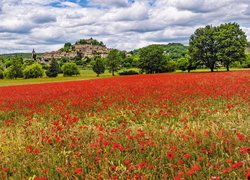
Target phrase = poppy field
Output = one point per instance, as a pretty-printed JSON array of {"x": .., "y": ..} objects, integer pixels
[{"x": 166, "y": 126}]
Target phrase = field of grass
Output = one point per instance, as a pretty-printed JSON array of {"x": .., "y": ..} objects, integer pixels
[
  {"x": 85, "y": 74},
  {"x": 164, "y": 126}
]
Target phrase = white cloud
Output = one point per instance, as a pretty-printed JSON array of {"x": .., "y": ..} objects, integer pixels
[
  {"x": 124, "y": 24},
  {"x": 107, "y": 3}
]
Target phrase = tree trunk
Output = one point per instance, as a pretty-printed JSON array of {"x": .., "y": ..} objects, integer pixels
[
  {"x": 97, "y": 75},
  {"x": 227, "y": 66},
  {"x": 212, "y": 69},
  {"x": 113, "y": 73}
]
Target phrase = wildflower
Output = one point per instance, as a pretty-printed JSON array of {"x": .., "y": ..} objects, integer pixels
[
  {"x": 180, "y": 161},
  {"x": 40, "y": 178},
  {"x": 245, "y": 150},
  {"x": 186, "y": 156},
  {"x": 237, "y": 165},
  {"x": 170, "y": 155},
  {"x": 113, "y": 167},
  {"x": 240, "y": 136},
  {"x": 127, "y": 162},
  {"x": 229, "y": 161},
  {"x": 215, "y": 178},
  {"x": 78, "y": 171},
  {"x": 59, "y": 169}
]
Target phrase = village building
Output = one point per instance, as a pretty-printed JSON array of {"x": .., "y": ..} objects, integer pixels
[{"x": 83, "y": 50}]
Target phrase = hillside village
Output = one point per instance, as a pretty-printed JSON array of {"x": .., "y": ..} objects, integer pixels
[{"x": 82, "y": 48}]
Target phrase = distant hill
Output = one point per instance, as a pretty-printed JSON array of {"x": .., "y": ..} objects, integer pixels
[
  {"x": 174, "y": 50},
  {"x": 24, "y": 55}
]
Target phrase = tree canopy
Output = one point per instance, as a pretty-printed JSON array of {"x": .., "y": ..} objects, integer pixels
[
  {"x": 98, "y": 66},
  {"x": 152, "y": 59},
  {"x": 114, "y": 60},
  {"x": 224, "y": 44}
]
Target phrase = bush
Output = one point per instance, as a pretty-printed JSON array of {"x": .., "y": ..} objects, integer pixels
[
  {"x": 170, "y": 66},
  {"x": 14, "y": 71},
  {"x": 53, "y": 69},
  {"x": 70, "y": 69},
  {"x": 236, "y": 64},
  {"x": 1, "y": 74},
  {"x": 128, "y": 72},
  {"x": 182, "y": 64},
  {"x": 33, "y": 71},
  {"x": 246, "y": 63}
]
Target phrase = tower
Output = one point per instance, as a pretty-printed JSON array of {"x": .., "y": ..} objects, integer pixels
[{"x": 34, "y": 55}]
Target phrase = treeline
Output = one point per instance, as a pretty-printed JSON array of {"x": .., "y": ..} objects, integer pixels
[{"x": 17, "y": 67}]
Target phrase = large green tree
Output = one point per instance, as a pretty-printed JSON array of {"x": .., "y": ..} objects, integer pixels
[
  {"x": 224, "y": 44},
  {"x": 152, "y": 59},
  {"x": 203, "y": 47},
  {"x": 98, "y": 66},
  {"x": 53, "y": 69},
  {"x": 232, "y": 42},
  {"x": 114, "y": 60}
]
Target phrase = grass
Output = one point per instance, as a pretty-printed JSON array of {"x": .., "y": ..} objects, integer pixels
[{"x": 85, "y": 75}]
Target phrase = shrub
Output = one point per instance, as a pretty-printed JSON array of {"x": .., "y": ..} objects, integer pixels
[
  {"x": 53, "y": 69},
  {"x": 1, "y": 74},
  {"x": 170, "y": 66},
  {"x": 14, "y": 71},
  {"x": 33, "y": 71},
  {"x": 128, "y": 72},
  {"x": 182, "y": 64},
  {"x": 246, "y": 63},
  {"x": 70, "y": 69}
]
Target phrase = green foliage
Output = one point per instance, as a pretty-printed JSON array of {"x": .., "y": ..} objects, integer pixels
[
  {"x": 170, "y": 66},
  {"x": 28, "y": 62},
  {"x": 1, "y": 72},
  {"x": 232, "y": 42},
  {"x": 114, "y": 60},
  {"x": 98, "y": 66},
  {"x": 70, "y": 69},
  {"x": 128, "y": 72},
  {"x": 203, "y": 47},
  {"x": 53, "y": 69},
  {"x": 152, "y": 60},
  {"x": 131, "y": 61},
  {"x": 33, "y": 71},
  {"x": 174, "y": 51},
  {"x": 15, "y": 68},
  {"x": 211, "y": 45},
  {"x": 246, "y": 63},
  {"x": 182, "y": 64},
  {"x": 67, "y": 47},
  {"x": 90, "y": 41}
]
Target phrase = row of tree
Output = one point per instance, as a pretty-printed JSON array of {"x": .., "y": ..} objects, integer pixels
[{"x": 31, "y": 69}]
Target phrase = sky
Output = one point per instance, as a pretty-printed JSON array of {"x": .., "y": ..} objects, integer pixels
[{"x": 123, "y": 24}]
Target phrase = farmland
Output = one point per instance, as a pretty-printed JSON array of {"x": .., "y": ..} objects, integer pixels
[{"x": 164, "y": 126}]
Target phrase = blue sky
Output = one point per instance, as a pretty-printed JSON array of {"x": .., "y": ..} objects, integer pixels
[{"x": 124, "y": 24}]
